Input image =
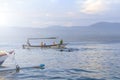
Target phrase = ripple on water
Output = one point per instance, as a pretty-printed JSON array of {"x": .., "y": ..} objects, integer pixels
[{"x": 90, "y": 62}]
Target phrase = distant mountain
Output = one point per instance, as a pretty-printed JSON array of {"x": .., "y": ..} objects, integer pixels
[
  {"x": 100, "y": 25},
  {"x": 106, "y": 28},
  {"x": 106, "y": 25},
  {"x": 102, "y": 31},
  {"x": 96, "y": 32}
]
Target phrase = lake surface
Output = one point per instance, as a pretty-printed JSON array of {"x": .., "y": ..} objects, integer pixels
[{"x": 87, "y": 61}]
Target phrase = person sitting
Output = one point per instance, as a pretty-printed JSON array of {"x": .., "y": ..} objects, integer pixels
[
  {"x": 42, "y": 44},
  {"x": 54, "y": 43},
  {"x": 61, "y": 42}
]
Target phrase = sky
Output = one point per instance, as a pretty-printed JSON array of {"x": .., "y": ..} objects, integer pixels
[{"x": 44, "y": 13}]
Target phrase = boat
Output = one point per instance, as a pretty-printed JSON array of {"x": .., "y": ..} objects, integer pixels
[
  {"x": 43, "y": 44},
  {"x": 4, "y": 55}
]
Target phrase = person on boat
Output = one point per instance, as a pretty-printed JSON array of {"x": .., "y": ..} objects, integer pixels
[
  {"x": 41, "y": 43},
  {"x": 54, "y": 43},
  {"x": 44, "y": 44},
  {"x": 61, "y": 42}
]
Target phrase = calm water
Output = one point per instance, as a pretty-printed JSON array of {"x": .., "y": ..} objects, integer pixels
[{"x": 89, "y": 61}]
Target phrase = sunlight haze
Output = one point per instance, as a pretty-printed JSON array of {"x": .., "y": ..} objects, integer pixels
[{"x": 42, "y": 13}]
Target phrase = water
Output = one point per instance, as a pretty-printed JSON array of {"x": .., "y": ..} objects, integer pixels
[{"x": 89, "y": 61}]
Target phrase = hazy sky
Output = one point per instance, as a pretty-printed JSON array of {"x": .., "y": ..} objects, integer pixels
[{"x": 41, "y": 13}]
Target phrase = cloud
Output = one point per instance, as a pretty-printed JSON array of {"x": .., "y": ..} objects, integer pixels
[
  {"x": 112, "y": 1},
  {"x": 54, "y": 1},
  {"x": 20, "y": 1},
  {"x": 71, "y": 14},
  {"x": 93, "y": 6}
]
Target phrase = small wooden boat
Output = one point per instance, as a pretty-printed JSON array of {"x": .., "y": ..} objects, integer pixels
[
  {"x": 43, "y": 45},
  {"x": 3, "y": 56}
]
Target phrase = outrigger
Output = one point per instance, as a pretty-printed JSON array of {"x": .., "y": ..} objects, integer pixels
[{"x": 54, "y": 45}]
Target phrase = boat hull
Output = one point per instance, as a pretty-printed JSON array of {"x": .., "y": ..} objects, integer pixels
[
  {"x": 4, "y": 55},
  {"x": 57, "y": 46},
  {"x": 3, "y": 58}
]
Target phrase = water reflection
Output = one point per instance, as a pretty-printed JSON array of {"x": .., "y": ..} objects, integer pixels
[{"x": 1, "y": 78}]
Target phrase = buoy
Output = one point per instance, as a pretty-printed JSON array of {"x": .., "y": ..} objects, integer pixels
[
  {"x": 17, "y": 68},
  {"x": 42, "y": 66}
]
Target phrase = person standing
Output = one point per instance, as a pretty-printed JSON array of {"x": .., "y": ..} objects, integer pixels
[{"x": 61, "y": 42}]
